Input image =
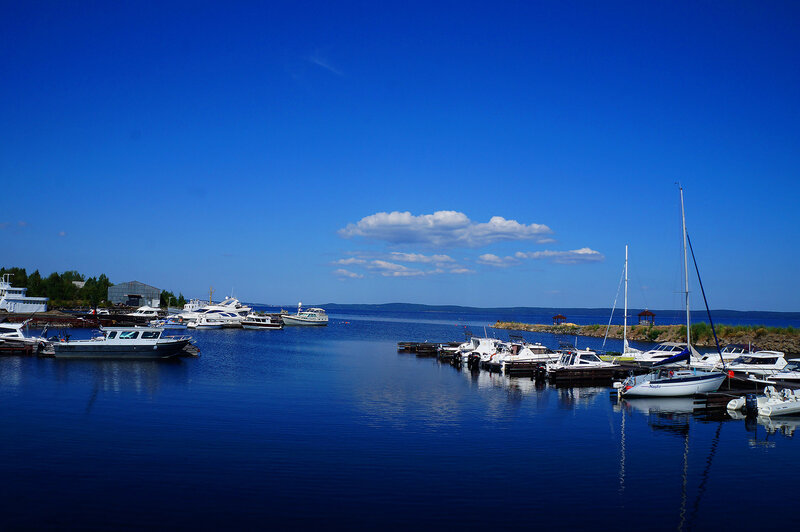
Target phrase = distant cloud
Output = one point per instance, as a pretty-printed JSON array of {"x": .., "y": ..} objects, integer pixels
[
  {"x": 62, "y": 233},
  {"x": 322, "y": 63},
  {"x": 22, "y": 224},
  {"x": 351, "y": 260},
  {"x": 491, "y": 259},
  {"x": 341, "y": 272},
  {"x": 575, "y": 256},
  {"x": 418, "y": 257},
  {"x": 441, "y": 229},
  {"x": 4, "y": 225}
]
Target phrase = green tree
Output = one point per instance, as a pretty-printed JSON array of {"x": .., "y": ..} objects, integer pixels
[{"x": 181, "y": 300}]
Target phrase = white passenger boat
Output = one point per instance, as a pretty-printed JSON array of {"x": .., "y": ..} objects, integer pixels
[
  {"x": 261, "y": 321},
  {"x": 16, "y": 300},
  {"x": 311, "y": 316},
  {"x": 123, "y": 343}
]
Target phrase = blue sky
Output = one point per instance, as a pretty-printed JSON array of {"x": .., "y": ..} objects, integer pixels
[{"x": 483, "y": 154}]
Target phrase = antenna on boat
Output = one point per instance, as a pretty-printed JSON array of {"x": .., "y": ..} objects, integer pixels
[
  {"x": 625, "y": 312},
  {"x": 210, "y": 292}
]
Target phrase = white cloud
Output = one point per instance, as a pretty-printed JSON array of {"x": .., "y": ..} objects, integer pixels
[
  {"x": 341, "y": 272},
  {"x": 442, "y": 228},
  {"x": 351, "y": 260},
  {"x": 62, "y": 233},
  {"x": 491, "y": 259},
  {"x": 418, "y": 257},
  {"x": 320, "y": 62},
  {"x": 574, "y": 256}
]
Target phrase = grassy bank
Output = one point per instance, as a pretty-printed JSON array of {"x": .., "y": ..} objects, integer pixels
[{"x": 786, "y": 339}]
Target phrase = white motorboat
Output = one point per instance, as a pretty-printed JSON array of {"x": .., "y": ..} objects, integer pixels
[
  {"x": 659, "y": 353},
  {"x": 311, "y": 316},
  {"x": 123, "y": 343},
  {"x": 144, "y": 313},
  {"x": 773, "y": 403},
  {"x": 223, "y": 309},
  {"x": 580, "y": 359},
  {"x": 674, "y": 382},
  {"x": 11, "y": 335},
  {"x": 525, "y": 355},
  {"x": 479, "y": 349},
  {"x": 173, "y": 321},
  {"x": 728, "y": 354},
  {"x": 261, "y": 321},
  {"x": 790, "y": 374},
  {"x": 204, "y": 322},
  {"x": 760, "y": 363}
]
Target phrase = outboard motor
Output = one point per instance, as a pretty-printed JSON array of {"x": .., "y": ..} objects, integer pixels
[{"x": 751, "y": 405}]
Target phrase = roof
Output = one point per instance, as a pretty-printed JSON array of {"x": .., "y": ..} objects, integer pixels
[
  {"x": 646, "y": 312},
  {"x": 559, "y": 317}
]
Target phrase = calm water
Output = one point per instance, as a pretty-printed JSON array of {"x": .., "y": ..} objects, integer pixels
[{"x": 331, "y": 427}]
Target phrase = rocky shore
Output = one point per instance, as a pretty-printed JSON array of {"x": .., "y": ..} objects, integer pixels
[{"x": 784, "y": 339}]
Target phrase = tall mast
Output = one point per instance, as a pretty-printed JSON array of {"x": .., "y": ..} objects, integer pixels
[
  {"x": 686, "y": 279},
  {"x": 625, "y": 314}
]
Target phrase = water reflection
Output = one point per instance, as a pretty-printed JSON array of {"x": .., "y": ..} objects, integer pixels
[{"x": 141, "y": 377}]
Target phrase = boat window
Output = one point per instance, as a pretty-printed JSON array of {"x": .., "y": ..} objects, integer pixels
[
  {"x": 149, "y": 335},
  {"x": 128, "y": 335},
  {"x": 592, "y": 358},
  {"x": 112, "y": 334}
]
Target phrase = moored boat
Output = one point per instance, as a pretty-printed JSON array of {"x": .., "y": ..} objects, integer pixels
[
  {"x": 311, "y": 316},
  {"x": 261, "y": 321},
  {"x": 123, "y": 343}
]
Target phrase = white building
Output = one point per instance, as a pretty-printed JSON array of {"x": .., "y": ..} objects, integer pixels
[{"x": 14, "y": 299}]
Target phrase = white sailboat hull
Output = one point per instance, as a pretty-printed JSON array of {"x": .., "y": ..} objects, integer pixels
[{"x": 678, "y": 387}]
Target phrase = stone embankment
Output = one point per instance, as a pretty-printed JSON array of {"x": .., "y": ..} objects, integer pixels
[{"x": 784, "y": 339}]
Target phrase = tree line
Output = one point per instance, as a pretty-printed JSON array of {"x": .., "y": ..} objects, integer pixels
[{"x": 62, "y": 290}]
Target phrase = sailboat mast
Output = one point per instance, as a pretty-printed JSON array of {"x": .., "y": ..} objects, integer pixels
[
  {"x": 686, "y": 279},
  {"x": 625, "y": 313}
]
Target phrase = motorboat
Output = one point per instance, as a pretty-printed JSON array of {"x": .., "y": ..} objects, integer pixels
[
  {"x": 674, "y": 381},
  {"x": 143, "y": 314},
  {"x": 193, "y": 305},
  {"x": 173, "y": 321},
  {"x": 728, "y": 354},
  {"x": 311, "y": 316},
  {"x": 478, "y": 349},
  {"x": 206, "y": 322},
  {"x": 790, "y": 374},
  {"x": 580, "y": 359},
  {"x": 11, "y": 335},
  {"x": 525, "y": 355},
  {"x": 772, "y": 403},
  {"x": 760, "y": 363},
  {"x": 123, "y": 343},
  {"x": 261, "y": 321},
  {"x": 230, "y": 310},
  {"x": 659, "y": 353}
]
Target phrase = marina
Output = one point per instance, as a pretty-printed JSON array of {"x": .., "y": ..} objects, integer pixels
[{"x": 350, "y": 418}]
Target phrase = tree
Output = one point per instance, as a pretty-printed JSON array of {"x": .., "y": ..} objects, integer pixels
[{"x": 181, "y": 300}]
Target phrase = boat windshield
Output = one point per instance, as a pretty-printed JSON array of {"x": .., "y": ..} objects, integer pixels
[{"x": 792, "y": 366}]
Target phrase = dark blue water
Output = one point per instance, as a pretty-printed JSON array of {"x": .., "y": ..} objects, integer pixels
[{"x": 331, "y": 427}]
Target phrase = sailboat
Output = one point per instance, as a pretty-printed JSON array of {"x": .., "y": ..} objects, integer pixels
[
  {"x": 669, "y": 382},
  {"x": 626, "y": 349}
]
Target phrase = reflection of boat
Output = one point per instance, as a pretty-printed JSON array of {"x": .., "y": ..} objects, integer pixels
[
  {"x": 261, "y": 321},
  {"x": 123, "y": 342},
  {"x": 678, "y": 382},
  {"x": 312, "y": 316},
  {"x": 664, "y": 405}
]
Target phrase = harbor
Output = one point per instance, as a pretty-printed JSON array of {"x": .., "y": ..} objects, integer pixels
[{"x": 339, "y": 412}]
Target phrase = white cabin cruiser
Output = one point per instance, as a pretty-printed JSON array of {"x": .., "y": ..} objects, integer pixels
[
  {"x": 261, "y": 321},
  {"x": 478, "y": 348},
  {"x": 144, "y": 313},
  {"x": 123, "y": 343},
  {"x": 789, "y": 375},
  {"x": 580, "y": 359},
  {"x": 525, "y": 354},
  {"x": 760, "y": 363},
  {"x": 311, "y": 316},
  {"x": 11, "y": 334},
  {"x": 729, "y": 353},
  {"x": 206, "y": 322},
  {"x": 659, "y": 353},
  {"x": 230, "y": 305}
]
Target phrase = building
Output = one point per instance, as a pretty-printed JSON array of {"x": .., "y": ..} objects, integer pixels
[
  {"x": 559, "y": 319},
  {"x": 134, "y": 294},
  {"x": 13, "y": 299}
]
